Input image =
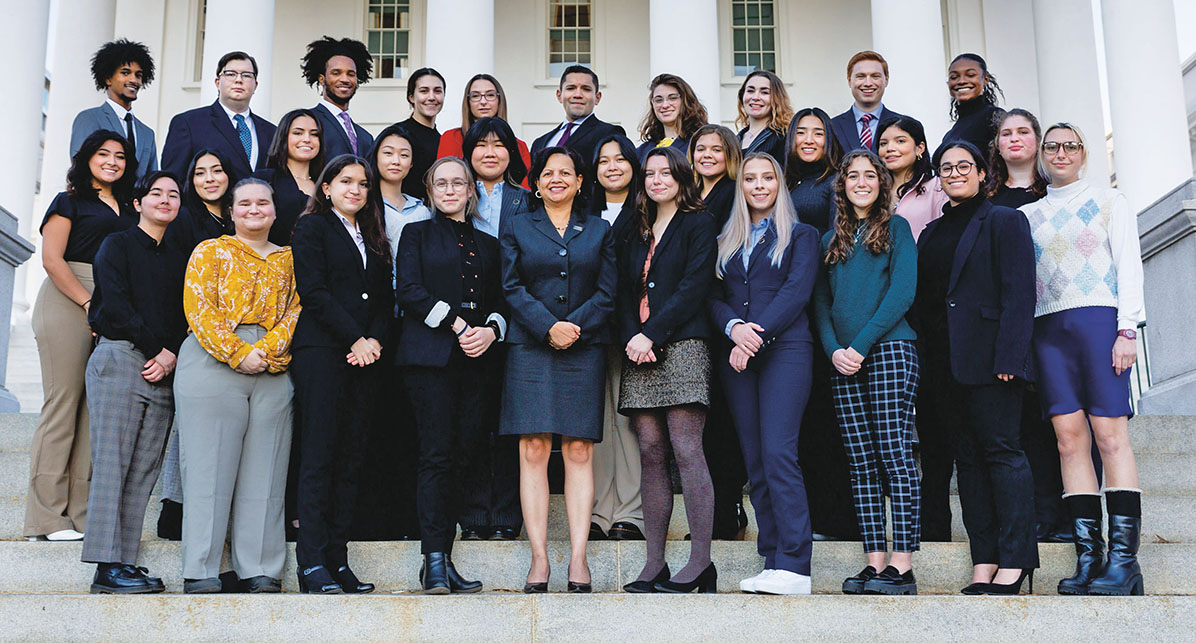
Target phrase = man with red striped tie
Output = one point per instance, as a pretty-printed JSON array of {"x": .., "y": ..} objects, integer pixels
[{"x": 867, "y": 76}]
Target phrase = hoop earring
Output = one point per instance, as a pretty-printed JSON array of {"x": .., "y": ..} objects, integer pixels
[{"x": 538, "y": 196}]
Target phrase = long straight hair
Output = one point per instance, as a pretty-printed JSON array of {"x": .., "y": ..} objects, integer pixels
[
  {"x": 280, "y": 149},
  {"x": 467, "y": 117},
  {"x": 689, "y": 198},
  {"x": 369, "y": 218},
  {"x": 627, "y": 151},
  {"x": 826, "y": 165},
  {"x": 190, "y": 197},
  {"x": 876, "y": 235},
  {"x": 737, "y": 233}
]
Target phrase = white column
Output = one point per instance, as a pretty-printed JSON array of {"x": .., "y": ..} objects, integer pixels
[
  {"x": 1068, "y": 78},
  {"x": 459, "y": 42},
  {"x": 23, "y": 37},
  {"x": 1146, "y": 100},
  {"x": 675, "y": 27},
  {"x": 239, "y": 25},
  {"x": 909, "y": 34}
]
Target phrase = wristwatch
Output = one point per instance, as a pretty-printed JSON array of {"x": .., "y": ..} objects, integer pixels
[{"x": 1128, "y": 334}]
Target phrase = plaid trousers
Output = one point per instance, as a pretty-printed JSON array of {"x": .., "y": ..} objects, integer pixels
[{"x": 876, "y": 413}]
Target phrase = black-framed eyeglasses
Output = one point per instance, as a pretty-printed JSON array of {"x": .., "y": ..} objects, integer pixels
[
  {"x": 231, "y": 74},
  {"x": 964, "y": 168},
  {"x": 476, "y": 97},
  {"x": 1071, "y": 147}
]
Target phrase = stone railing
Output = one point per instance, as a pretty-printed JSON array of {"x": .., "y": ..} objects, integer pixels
[{"x": 14, "y": 251}]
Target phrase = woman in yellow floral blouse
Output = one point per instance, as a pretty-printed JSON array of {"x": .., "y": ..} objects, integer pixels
[{"x": 233, "y": 399}]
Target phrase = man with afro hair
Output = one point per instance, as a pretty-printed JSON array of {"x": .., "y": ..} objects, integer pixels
[
  {"x": 338, "y": 67},
  {"x": 120, "y": 69}
]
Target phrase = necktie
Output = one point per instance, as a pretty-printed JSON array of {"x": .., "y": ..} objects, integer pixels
[
  {"x": 350, "y": 131},
  {"x": 565, "y": 136},
  {"x": 866, "y": 132},
  {"x": 129, "y": 129},
  {"x": 246, "y": 138}
]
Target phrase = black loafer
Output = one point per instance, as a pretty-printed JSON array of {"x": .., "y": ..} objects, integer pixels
[
  {"x": 472, "y": 533},
  {"x": 625, "y": 531},
  {"x": 153, "y": 581},
  {"x": 892, "y": 583},
  {"x": 349, "y": 582},
  {"x": 202, "y": 586},
  {"x": 596, "y": 532},
  {"x": 855, "y": 584},
  {"x": 116, "y": 578},
  {"x": 504, "y": 533},
  {"x": 262, "y": 585}
]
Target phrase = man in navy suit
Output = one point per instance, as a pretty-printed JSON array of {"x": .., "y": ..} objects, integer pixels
[
  {"x": 581, "y": 130},
  {"x": 868, "y": 76},
  {"x": 338, "y": 67},
  {"x": 120, "y": 69},
  {"x": 226, "y": 125}
]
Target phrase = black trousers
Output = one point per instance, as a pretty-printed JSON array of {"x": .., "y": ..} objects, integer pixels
[
  {"x": 333, "y": 403},
  {"x": 728, "y": 472},
  {"x": 824, "y": 461},
  {"x": 936, "y": 448},
  {"x": 386, "y": 491}
]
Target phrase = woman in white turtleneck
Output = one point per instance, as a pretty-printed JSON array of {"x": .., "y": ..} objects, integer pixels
[{"x": 1089, "y": 282}]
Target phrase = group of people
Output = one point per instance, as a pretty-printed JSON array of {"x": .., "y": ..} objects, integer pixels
[{"x": 810, "y": 304}]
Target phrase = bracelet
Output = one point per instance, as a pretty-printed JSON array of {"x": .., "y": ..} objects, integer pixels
[
  {"x": 85, "y": 303},
  {"x": 463, "y": 329}
]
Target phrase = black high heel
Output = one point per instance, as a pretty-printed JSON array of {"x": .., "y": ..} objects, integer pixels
[
  {"x": 579, "y": 588},
  {"x": 537, "y": 588},
  {"x": 1012, "y": 589},
  {"x": 648, "y": 586},
  {"x": 705, "y": 583}
]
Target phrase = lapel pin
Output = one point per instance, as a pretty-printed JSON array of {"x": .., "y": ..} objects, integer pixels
[{"x": 577, "y": 227}]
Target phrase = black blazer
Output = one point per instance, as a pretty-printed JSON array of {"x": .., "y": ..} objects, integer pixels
[
  {"x": 769, "y": 142},
  {"x": 776, "y": 298},
  {"x": 844, "y": 128},
  {"x": 341, "y": 301},
  {"x": 720, "y": 201},
  {"x": 336, "y": 141},
  {"x": 990, "y": 296},
  {"x": 678, "y": 281},
  {"x": 547, "y": 278},
  {"x": 430, "y": 275},
  {"x": 584, "y": 139},
  {"x": 195, "y": 129}
]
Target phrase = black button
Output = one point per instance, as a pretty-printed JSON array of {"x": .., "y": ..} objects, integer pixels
[
  {"x": 563, "y": 252},
  {"x": 560, "y": 298},
  {"x": 564, "y": 275},
  {"x": 951, "y": 303}
]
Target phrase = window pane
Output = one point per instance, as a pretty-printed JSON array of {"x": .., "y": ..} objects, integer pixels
[
  {"x": 766, "y": 41},
  {"x": 753, "y": 15},
  {"x": 769, "y": 62},
  {"x": 753, "y": 39},
  {"x": 766, "y": 13},
  {"x": 375, "y": 41},
  {"x": 754, "y": 61},
  {"x": 740, "y": 39},
  {"x": 737, "y": 13},
  {"x": 583, "y": 16}
]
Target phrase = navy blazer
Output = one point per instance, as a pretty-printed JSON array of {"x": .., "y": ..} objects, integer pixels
[
  {"x": 548, "y": 278},
  {"x": 341, "y": 301},
  {"x": 776, "y": 298},
  {"x": 430, "y": 275},
  {"x": 209, "y": 127},
  {"x": 515, "y": 200},
  {"x": 990, "y": 296},
  {"x": 336, "y": 141},
  {"x": 101, "y": 117},
  {"x": 768, "y": 141},
  {"x": 848, "y": 133},
  {"x": 584, "y": 139},
  {"x": 678, "y": 281}
]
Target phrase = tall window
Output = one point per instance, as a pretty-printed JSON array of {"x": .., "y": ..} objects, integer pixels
[
  {"x": 753, "y": 33},
  {"x": 388, "y": 32},
  {"x": 570, "y": 25},
  {"x": 197, "y": 66}
]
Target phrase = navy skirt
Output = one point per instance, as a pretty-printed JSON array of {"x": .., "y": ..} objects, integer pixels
[
  {"x": 1074, "y": 349},
  {"x": 551, "y": 391}
]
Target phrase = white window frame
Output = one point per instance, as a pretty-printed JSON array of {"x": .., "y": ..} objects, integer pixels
[
  {"x": 726, "y": 41},
  {"x": 597, "y": 38},
  {"x": 415, "y": 43}
]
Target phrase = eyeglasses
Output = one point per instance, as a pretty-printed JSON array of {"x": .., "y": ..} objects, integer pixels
[
  {"x": 476, "y": 97},
  {"x": 671, "y": 98},
  {"x": 229, "y": 74},
  {"x": 1071, "y": 147},
  {"x": 964, "y": 168},
  {"x": 443, "y": 186}
]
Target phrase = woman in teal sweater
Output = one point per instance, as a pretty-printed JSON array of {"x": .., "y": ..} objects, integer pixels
[{"x": 860, "y": 302}]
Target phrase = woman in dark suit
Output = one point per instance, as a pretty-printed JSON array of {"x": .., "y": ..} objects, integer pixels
[
  {"x": 767, "y": 264},
  {"x": 451, "y": 296},
  {"x": 559, "y": 276},
  {"x": 664, "y": 278},
  {"x": 296, "y": 157},
  {"x": 764, "y": 113},
  {"x": 342, "y": 273},
  {"x": 974, "y": 313},
  {"x": 715, "y": 156}
]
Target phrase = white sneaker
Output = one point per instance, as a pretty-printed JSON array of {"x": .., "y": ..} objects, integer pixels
[
  {"x": 65, "y": 534},
  {"x": 785, "y": 582},
  {"x": 749, "y": 584}
]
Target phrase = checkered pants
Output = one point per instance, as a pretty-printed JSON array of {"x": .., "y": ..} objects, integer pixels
[{"x": 876, "y": 413}]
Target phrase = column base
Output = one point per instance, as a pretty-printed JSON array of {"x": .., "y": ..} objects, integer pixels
[{"x": 1175, "y": 396}]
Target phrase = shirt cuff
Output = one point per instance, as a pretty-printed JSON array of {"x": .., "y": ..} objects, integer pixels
[
  {"x": 500, "y": 322},
  {"x": 730, "y": 325},
  {"x": 437, "y": 314}
]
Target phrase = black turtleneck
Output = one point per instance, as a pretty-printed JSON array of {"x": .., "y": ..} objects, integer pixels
[
  {"x": 976, "y": 124},
  {"x": 935, "y": 259}
]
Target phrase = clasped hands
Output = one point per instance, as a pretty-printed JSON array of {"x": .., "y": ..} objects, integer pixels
[
  {"x": 475, "y": 340},
  {"x": 563, "y": 334},
  {"x": 159, "y": 367}
]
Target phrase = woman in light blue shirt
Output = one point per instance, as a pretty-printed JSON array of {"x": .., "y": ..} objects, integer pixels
[{"x": 489, "y": 147}]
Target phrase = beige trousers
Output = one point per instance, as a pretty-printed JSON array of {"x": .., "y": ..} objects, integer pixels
[{"x": 616, "y": 459}]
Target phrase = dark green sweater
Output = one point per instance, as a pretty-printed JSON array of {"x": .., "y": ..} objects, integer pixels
[{"x": 862, "y": 301}]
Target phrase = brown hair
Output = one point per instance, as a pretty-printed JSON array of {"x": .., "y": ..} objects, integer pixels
[
  {"x": 467, "y": 119},
  {"x": 693, "y": 113},
  {"x": 876, "y": 235},
  {"x": 999, "y": 172},
  {"x": 731, "y": 150},
  {"x": 782, "y": 110},
  {"x": 868, "y": 54},
  {"x": 689, "y": 198}
]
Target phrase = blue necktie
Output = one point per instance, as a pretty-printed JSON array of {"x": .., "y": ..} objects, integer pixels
[{"x": 246, "y": 138}]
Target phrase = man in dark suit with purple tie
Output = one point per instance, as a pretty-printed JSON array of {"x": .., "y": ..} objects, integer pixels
[
  {"x": 868, "y": 76},
  {"x": 581, "y": 129},
  {"x": 338, "y": 67}
]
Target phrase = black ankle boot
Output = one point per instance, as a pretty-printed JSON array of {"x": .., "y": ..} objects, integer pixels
[
  {"x": 1090, "y": 556},
  {"x": 457, "y": 582},
  {"x": 170, "y": 520},
  {"x": 433, "y": 576},
  {"x": 317, "y": 580},
  {"x": 349, "y": 582},
  {"x": 1122, "y": 575}
]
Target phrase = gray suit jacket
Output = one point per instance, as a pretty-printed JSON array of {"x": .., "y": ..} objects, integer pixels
[{"x": 102, "y": 117}]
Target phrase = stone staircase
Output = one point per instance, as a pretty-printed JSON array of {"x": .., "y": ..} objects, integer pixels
[{"x": 43, "y": 589}]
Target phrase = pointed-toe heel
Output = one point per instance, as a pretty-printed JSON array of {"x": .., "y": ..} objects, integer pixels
[{"x": 648, "y": 586}]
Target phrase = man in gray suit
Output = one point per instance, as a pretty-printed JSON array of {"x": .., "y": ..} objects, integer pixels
[{"x": 120, "y": 69}]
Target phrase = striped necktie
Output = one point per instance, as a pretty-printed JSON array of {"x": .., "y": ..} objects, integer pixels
[{"x": 866, "y": 132}]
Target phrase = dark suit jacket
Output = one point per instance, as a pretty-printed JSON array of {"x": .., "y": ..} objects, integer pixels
[
  {"x": 769, "y": 142},
  {"x": 720, "y": 201},
  {"x": 515, "y": 200},
  {"x": 341, "y": 301},
  {"x": 848, "y": 133},
  {"x": 430, "y": 273},
  {"x": 678, "y": 281},
  {"x": 990, "y": 296},
  {"x": 209, "y": 127},
  {"x": 584, "y": 139},
  {"x": 547, "y": 278},
  {"x": 102, "y": 117},
  {"x": 776, "y": 298},
  {"x": 336, "y": 141}
]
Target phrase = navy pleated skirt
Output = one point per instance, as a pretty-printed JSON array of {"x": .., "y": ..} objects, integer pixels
[{"x": 1074, "y": 349}]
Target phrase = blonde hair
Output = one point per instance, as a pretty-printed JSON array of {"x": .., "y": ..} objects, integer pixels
[
  {"x": 1042, "y": 158},
  {"x": 471, "y": 205},
  {"x": 737, "y": 233}
]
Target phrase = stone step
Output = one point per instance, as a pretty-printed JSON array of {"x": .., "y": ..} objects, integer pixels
[
  {"x": 501, "y": 617},
  {"x": 941, "y": 568}
]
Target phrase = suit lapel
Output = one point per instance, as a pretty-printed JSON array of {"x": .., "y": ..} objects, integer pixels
[
  {"x": 343, "y": 233},
  {"x": 669, "y": 233},
  {"x": 510, "y": 202},
  {"x": 583, "y": 131},
  {"x": 334, "y": 124},
  {"x": 575, "y": 228},
  {"x": 761, "y": 248},
  {"x": 114, "y": 123},
  {"x": 966, "y": 241},
  {"x": 544, "y": 225},
  {"x": 225, "y": 127}
]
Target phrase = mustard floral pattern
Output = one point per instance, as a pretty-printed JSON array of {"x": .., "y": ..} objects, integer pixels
[{"x": 228, "y": 284}]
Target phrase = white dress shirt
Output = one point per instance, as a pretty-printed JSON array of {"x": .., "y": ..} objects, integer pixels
[
  {"x": 354, "y": 234},
  {"x": 560, "y": 130},
  {"x": 120, "y": 115},
  {"x": 254, "y": 149}
]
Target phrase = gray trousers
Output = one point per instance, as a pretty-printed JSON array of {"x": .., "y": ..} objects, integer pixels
[
  {"x": 616, "y": 459},
  {"x": 129, "y": 421},
  {"x": 172, "y": 478},
  {"x": 234, "y": 443}
]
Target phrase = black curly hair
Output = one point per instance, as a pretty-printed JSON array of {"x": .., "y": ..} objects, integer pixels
[
  {"x": 992, "y": 91},
  {"x": 109, "y": 58},
  {"x": 79, "y": 178},
  {"x": 318, "y": 52}
]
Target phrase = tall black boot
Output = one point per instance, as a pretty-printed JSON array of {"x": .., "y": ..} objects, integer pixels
[
  {"x": 1122, "y": 576},
  {"x": 1090, "y": 543},
  {"x": 433, "y": 575}
]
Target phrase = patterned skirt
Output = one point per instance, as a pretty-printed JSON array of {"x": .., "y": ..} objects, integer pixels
[{"x": 681, "y": 377}]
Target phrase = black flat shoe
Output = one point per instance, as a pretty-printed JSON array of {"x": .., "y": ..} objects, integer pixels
[
  {"x": 472, "y": 533},
  {"x": 317, "y": 580},
  {"x": 117, "y": 578},
  {"x": 504, "y": 533},
  {"x": 855, "y": 584},
  {"x": 1012, "y": 589},
  {"x": 202, "y": 586},
  {"x": 892, "y": 583},
  {"x": 433, "y": 575},
  {"x": 457, "y": 582},
  {"x": 625, "y": 531},
  {"x": 596, "y": 532},
  {"x": 648, "y": 586},
  {"x": 578, "y": 588},
  {"x": 705, "y": 583},
  {"x": 170, "y": 520},
  {"x": 349, "y": 582},
  {"x": 261, "y": 585}
]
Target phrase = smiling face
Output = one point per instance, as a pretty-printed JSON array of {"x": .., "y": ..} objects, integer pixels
[
  {"x": 253, "y": 210},
  {"x": 1062, "y": 166},
  {"x": 757, "y": 97},
  {"x": 428, "y": 97},
  {"x": 125, "y": 83},
  {"x": 1016, "y": 141},
  {"x": 614, "y": 170},
  {"x": 868, "y": 83},
  {"x": 450, "y": 188},
  {"x": 898, "y": 150},
  {"x": 960, "y": 187},
  {"x": 160, "y": 205},
  {"x": 710, "y": 158},
  {"x": 809, "y": 139},
  {"x": 578, "y": 95},
  {"x": 559, "y": 181},
  {"x": 666, "y": 104},
  {"x": 483, "y": 98},
  {"x": 394, "y": 159},
  {"x": 303, "y": 139},
  {"x": 339, "y": 80},
  {"x": 107, "y": 165},
  {"x": 490, "y": 158},
  {"x": 209, "y": 179},
  {"x": 348, "y": 190},
  {"x": 862, "y": 183},
  {"x": 761, "y": 185},
  {"x": 238, "y": 88},
  {"x": 965, "y": 80},
  {"x": 659, "y": 181}
]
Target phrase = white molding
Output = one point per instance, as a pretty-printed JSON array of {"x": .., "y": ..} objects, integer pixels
[{"x": 598, "y": 15}]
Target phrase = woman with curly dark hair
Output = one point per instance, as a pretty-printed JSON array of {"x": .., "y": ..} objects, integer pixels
[
  {"x": 974, "y": 93},
  {"x": 338, "y": 67},
  {"x": 674, "y": 114},
  {"x": 120, "y": 69},
  {"x": 95, "y": 204}
]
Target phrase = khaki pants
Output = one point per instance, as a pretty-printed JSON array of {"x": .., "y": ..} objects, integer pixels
[
  {"x": 60, "y": 463},
  {"x": 616, "y": 459}
]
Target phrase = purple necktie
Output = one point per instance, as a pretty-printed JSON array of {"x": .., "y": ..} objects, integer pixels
[
  {"x": 349, "y": 129},
  {"x": 565, "y": 136}
]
